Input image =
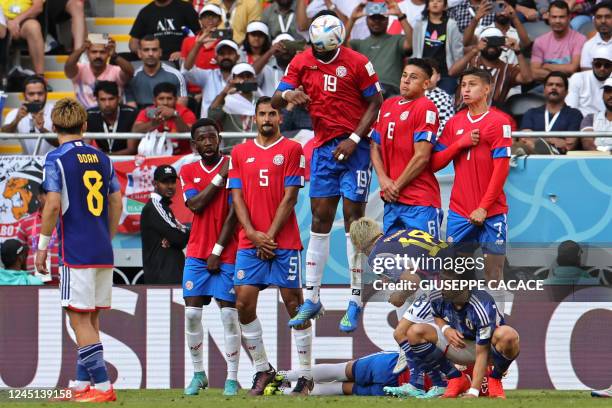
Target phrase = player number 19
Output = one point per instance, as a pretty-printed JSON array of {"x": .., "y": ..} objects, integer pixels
[
  {"x": 329, "y": 83},
  {"x": 95, "y": 199}
]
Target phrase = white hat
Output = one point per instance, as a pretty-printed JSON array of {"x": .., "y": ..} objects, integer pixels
[
  {"x": 282, "y": 37},
  {"x": 227, "y": 43},
  {"x": 604, "y": 53},
  {"x": 491, "y": 32},
  {"x": 241, "y": 68},
  {"x": 258, "y": 26},
  {"x": 212, "y": 8},
  {"x": 608, "y": 83}
]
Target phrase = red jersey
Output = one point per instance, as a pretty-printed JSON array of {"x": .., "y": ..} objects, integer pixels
[
  {"x": 207, "y": 224},
  {"x": 262, "y": 173},
  {"x": 206, "y": 58},
  {"x": 474, "y": 166},
  {"x": 337, "y": 90},
  {"x": 181, "y": 146},
  {"x": 400, "y": 125}
]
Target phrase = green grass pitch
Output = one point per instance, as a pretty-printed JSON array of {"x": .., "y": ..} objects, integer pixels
[{"x": 214, "y": 398}]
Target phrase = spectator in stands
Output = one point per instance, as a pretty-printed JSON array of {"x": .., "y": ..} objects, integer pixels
[
  {"x": 602, "y": 18},
  {"x": 280, "y": 18},
  {"x": 22, "y": 24},
  {"x": 85, "y": 75},
  {"x": 466, "y": 10},
  {"x": 238, "y": 14},
  {"x": 569, "y": 270},
  {"x": 559, "y": 49},
  {"x": 163, "y": 236},
  {"x": 306, "y": 10},
  {"x": 256, "y": 43},
  {"x": 586, "y": 87},
  {"x": 210, "y": 18},
  {"x": 386, "y": 52},
  {"x": 164, "y": 20},
  {"x": 506, "y": 21},
  {"x": 437, "y": 36},
  {"x": 62, "y": 10},
  {"x": 212, "y": 81},
  {"x": 486, "y": 55},
  {"x": 600, "y": 121},
  {"x": 234, "y": 107},
  {"x": 33, "y": 116},
  {"x": 555, "y": 115},
  {"x": 13, "y": 255},
  {"x": 111, "y": 116},
  {"x": 166, "y": 115},
  {"x": 442, "y": 100},
  {"x": 154, "y": 72}
]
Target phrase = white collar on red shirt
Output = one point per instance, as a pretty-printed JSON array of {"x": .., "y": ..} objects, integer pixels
[
  {"x": 214, "y": 167},
  {"x": 269, "y": 146},
  {"x": 478, "y": 119}
]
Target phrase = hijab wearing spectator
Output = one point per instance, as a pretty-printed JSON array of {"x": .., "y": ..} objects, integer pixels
[{"x": 257, "y": 41}]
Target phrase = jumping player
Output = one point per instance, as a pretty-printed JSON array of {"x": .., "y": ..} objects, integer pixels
[
  {"x": 211, "y": 253},
  {"x": 477, "y": 214},
  {"x": 403, "y": 137},
  {"x": 83, "y": 192},
  {"x": 265, "y": 177},
  {"x": 341, "y": 90}
]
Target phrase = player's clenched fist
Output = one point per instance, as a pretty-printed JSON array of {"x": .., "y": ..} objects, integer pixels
[
  {"x": 41, "y": 261},
  {"x": 454, "y": 338},
  {"x": 478, "y": 216},
  {"x": 264, "y": 244},
  {"x": 297, "y": 97},
  {"x": 344, "y": 150},
  {"x": 470, "y": 139}
]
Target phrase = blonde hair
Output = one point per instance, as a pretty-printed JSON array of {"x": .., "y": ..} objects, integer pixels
[
  {"x": 68, "y": 117},
  {"x": 363, "y": 232}
]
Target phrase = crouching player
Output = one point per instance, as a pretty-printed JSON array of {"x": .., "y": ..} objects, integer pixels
[{"x": 468, "y": 321}]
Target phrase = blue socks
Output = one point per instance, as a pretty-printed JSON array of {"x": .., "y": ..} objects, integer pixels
[
  {"x": 500, "y": 364},
  {"x": 81, "y": 371},
  {"x": 417, "y": 376},
  {"x": 433, "y": 359},
  {"x": 92, "y": 359}
]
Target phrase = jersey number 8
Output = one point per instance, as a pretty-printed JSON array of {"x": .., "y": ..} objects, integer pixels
[{"x": 95, "y": 200}]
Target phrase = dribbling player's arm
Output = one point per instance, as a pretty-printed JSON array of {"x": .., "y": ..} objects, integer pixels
[{"x": 114, "y": 212}]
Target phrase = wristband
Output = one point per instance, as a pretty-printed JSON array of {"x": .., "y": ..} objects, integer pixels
[
  {"x": 43, "y": 242},
  {"x": 217, "y": 249},
  {"x": 355, "y": 138},
  {"x": 473, "y": 391},
  {"x": 284, "y": 94},
  {"x": 218, "y": 180},
  {"x": 401, "y": 17},
  {"x": 445, "y": 328}
]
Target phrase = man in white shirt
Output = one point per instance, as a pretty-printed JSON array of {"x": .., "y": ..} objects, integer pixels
[
  {"x": 602, "y": 20},
  {"x": 33, "y": 116},
  {"x": 586, "y": 87},
  {"x": 601, "y": 121}
]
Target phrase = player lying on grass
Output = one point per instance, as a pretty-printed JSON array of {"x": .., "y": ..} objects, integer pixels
[{"x": 468, "y": 329}]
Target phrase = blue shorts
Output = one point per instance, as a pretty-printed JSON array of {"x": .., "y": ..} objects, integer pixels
[
  {"x": 349, "y": 178},
  {"x": 284, "y": 270},
  {"x": 491, "y": 236},
  {"x": 197, "y": 281},
  {"x": 401, "y": 216},
  {"x": 374, "y": 372}
]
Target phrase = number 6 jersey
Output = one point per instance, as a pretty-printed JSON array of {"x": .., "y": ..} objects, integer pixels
[{"x": 85, "y": 177}]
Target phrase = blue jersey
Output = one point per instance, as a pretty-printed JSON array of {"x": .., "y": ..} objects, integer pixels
[
  {"x": 426, "y": 252},
  {"x": 84, "y": 176},
  {"x": 476, "y": 320}
]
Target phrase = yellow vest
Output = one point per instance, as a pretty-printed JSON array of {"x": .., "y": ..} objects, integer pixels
[{"x": 13, "y": 8}]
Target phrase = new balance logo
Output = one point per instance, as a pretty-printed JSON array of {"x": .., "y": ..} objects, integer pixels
[
  {"x": 308, "y": 263},
  {"x": 250, "y": 160}
]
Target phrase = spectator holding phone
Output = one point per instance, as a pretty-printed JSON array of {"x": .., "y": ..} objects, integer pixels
[
  {"x": 33, "y": 116},
  {"x": 100, "y": 50},
  {"x": 166, "y": 115},
  {"x": 464, "y": 12},
  {"x": 256, "y": 43},
  {"x": 210, "y": 18},
  {"x": 237, "y": 16},
  {"x": 234, "y": 107}
]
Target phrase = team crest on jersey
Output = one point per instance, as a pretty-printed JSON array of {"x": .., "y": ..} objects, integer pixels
[
  {"x": 240, "y": 274},
  {"x": 404, "y": 115},
  {"x": 341, "y": 71},
  {"x": 279, "y": 159},
  {"x": 469, "y": 324},
  {"x": 189, "y": 285}
]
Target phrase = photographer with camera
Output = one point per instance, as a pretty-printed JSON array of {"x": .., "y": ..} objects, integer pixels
[{"x": 33, "y": 116}]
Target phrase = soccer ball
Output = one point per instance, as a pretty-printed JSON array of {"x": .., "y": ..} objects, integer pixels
[{"x": 327, "y": 33}]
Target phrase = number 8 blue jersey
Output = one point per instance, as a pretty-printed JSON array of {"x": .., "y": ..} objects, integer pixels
[{"x": 85, "y": 177}]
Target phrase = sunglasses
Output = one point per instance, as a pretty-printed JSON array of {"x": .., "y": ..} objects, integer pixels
[{"x": 602, "y": 64}]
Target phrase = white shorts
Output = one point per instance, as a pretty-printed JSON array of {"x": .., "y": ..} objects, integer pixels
[
  {"x": 86, "y": 289},
  {"x": 464, "y": 356}
]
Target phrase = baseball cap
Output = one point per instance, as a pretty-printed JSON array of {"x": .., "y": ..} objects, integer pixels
[
  {"x": 282, "y": 37},
  {"x": 211, "y": 8},
  {"x": 164, "y": 172},
  {"x": 227, "y": 43},
  {"x": 603, "y": 53},
  {"x": 10, "y": 250},
  {"x": 491, "y": 32},
  {"x": 241, "y": 68},
  {"x": 258, "y": 26},
  {"x": 608, "y": 83}
]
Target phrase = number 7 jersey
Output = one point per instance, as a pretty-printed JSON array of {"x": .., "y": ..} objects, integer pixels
[{"x": 85, "y": 177}]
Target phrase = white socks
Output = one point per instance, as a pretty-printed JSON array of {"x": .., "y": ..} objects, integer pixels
[
  {"x": 303, "y": 344},
  {"x": 195, "y": 336},
  {"x": 322, "y": 373},
  {"x": 231, "y": 331},
  {"x": 333, "y": 388},
  {"x": 316, "y": 258},
  {"x": 252, "y": 334},
  {"x": 354, "y": 263}
]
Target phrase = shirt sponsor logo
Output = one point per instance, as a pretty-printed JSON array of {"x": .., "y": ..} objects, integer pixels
[
  {"x": 250, "y": 160},
  {"x": 370, "y": 68},
  {"x": 404, "y": 115},
  {"x": 430, "y": 117},
  {"x": 341, "y": 71},
  {"x": 279, "y": 159}
]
